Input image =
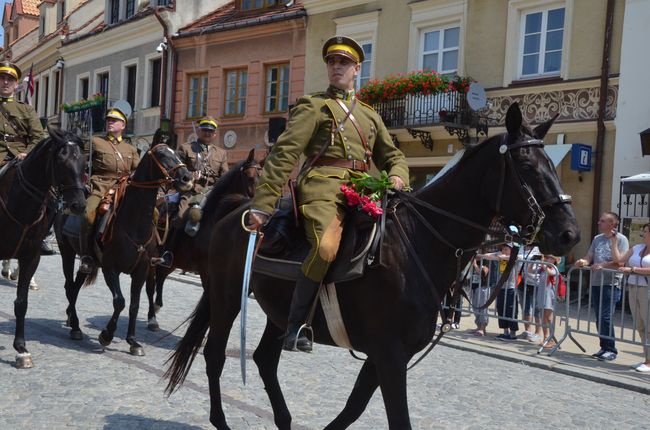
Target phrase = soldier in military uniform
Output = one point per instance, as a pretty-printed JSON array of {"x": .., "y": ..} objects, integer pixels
[
  {"x": 20, "y": 131},
  {"x": 113, "y": 157},
  {"x": 336, "y": 144},
  {"x": 207, "y": 162}
]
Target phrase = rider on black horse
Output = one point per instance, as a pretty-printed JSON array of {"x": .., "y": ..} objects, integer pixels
[{"x": 339, "y": 135}]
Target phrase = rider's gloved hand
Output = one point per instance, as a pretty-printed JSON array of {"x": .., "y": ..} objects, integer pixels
[{"x": 257, "y": 219}]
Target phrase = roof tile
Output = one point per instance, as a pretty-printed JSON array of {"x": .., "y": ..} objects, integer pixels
[{"x": 30, "y": 7}]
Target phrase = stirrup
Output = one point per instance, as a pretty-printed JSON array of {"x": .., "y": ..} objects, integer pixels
[
  {"x": 306, "y": 327},
  {"x": 165, "y": 260}
]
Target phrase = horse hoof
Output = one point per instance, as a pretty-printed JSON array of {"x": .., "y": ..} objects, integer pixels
[
  {"x": 138, "y": 351},
  {"x": 77, "y": 335},
  {"x": 6, "y": 274},
  {"x": 103, "y": 341},
  {"x": 24, "y": 361},
  {"x": 152, "y": 325},
  {"x": 156, "y": 309}
]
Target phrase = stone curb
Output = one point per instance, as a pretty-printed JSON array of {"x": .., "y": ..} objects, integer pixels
[{"x": 546, "y": 364}]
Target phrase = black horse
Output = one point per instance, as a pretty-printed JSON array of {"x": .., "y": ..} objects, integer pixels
[
  {"x": 28, "y": 193},
  {"x": 390, "y": 313},
  {"x": 129, "y": 245},
  {"x": 191, "y": 253}
]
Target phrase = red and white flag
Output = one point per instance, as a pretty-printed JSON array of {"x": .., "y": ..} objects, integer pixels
[{"x": 30, "y": 85}]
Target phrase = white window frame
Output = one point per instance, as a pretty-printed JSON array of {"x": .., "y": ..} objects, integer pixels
[
  {"x": 148, "y": 59},
  {"x": 96, "y": 74},
  {"x": 41, "y": 108},
  {"x": 429, "y": 15},
  {"x": 123, "y": 87},
  {"x": 542, "y": 44},
  {"x": 81, "y": 76},
  {"x": 363, "y": 29},
  {"x": 517, "y": 9},
  {"x": 440, "y": 51}
]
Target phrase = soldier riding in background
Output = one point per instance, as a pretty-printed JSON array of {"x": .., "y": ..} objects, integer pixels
[
  {"x": 113, "y": 157},
  {"x": 207, "y": 162}
]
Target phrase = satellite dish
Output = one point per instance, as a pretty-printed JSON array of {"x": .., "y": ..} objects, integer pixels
[
  {"x": 123, "y": 107},
  {"x": 476, "y": 98}
]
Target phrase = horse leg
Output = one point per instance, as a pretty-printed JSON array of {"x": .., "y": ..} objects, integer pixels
[
  {"x": 391, "y": 371},
  {"x": 113, "y": 281},
  {"x": 137, "y": 281},
  {"x": 28, "y": 267},
  {"x": 161, "y": 275},
  {"x": 215, "y": 356},
  {"x": 72, "y": 287},
  {"x": 267, "y": 357},
  {"x": 364, "y": 388},
  {"x": 152, "y": 275}
]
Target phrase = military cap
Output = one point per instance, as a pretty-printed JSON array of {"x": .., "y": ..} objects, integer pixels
[
  {"x": 345, "y": 46},
  {"x": 208, "y": 123},
  {"x": 116, "y": 114},
  {"x": 10, "y": 69}
]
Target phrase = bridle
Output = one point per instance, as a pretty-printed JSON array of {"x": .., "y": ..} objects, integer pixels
[
  {"x": 515, "y": 234},
  {"x": 168, "y": 177},
  {"x": 248, "y": 166}
]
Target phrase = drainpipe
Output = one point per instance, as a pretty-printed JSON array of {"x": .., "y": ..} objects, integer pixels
[{"x": 600, "y": 136}]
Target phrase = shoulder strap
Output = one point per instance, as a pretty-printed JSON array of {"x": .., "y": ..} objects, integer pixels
[
  {"x": 10, "y": 119},
  {"x": 356, "y": 125}
]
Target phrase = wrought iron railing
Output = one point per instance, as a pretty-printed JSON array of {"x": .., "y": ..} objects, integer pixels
[
  {"x": 90, "y": 119},
  {"x": 420, "y": 110}
]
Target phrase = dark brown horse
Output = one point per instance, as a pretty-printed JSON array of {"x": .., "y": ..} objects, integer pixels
[
  {"x": 130, "y": 245},
  {"x": 191, "y": 253},
  {"x": 28, "y": 192},
  {"x": 390, "y": 313}
]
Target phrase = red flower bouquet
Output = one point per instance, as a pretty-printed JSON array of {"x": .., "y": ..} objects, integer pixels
[{"x": 366, "y": 192}]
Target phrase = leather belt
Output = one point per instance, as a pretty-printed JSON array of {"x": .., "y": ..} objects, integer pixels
[
  {"x": 12, "y": 138},
  {"x": 358, "y": 165}
]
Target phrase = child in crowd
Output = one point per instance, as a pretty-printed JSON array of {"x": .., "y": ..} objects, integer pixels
[
  {"x": 546, "y": 296},
  {"x": 480, "y": 291}
]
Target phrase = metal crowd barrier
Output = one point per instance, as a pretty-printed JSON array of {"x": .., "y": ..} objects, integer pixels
[
  {"x": 483, "y": 290},
  {"x": 579, "y": 314}
]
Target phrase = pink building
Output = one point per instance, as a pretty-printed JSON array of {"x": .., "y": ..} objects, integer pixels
[{"x": 243, "y": 64}]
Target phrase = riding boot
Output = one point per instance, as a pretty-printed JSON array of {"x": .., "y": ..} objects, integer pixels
[
  {"x": 303, "y": 296},
  {"x": 167, "y": 257},
  {"x": 87, "y": 262}
]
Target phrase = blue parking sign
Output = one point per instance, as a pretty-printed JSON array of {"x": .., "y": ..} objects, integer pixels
[{"x": 580, "y": 157}]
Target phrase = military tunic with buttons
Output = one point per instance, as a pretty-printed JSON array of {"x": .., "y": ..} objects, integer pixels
[
  {"x": 320, "y": 199},
  {"x": 21, "y": 131},
  {"x": 210, "y": 160},
  {"x": 110, "y": 162}
]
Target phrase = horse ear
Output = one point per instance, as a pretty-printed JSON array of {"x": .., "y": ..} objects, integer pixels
[
  {"x": 251, "y": 156},
  {"x": 55, "y": 132},
  {"x": 514, "y": 120},
  {"x": 540, "y": 131}
]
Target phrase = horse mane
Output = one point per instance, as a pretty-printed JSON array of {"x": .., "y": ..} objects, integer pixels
[
  {"x": 222, "y": 187},
  {"x": 56, "y": 138}
]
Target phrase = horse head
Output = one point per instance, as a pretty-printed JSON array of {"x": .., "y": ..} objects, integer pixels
[
  {"x": 250, "y": 174},
  {"x": 162, "y": 164},
  {"x": 532, "y": 196},
  {"x": 66, "y": 167}
]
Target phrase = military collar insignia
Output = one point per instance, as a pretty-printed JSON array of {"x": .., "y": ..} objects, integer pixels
[
  {"x": 6, "y": 99},
  {"x": 337, "y": 93},
  {"x": 112, "y": 138}
]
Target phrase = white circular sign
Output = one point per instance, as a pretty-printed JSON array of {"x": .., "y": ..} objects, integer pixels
[
  {"x": 229, "y": 139},
  {"x": 476, "y": 98}
]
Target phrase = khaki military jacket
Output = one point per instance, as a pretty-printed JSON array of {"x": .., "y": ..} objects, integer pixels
[
  {"x": 110, "y": 162},
  {"x": 27, "y": 127},
  {"x": 212, "y": 163},
  {"x": 308, "y": 130}
]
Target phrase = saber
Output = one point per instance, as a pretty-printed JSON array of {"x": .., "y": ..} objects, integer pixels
[{"x": 250, "y": 255}]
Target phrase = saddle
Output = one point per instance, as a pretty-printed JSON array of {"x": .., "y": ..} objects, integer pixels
[{"x": 285, "y": 246}]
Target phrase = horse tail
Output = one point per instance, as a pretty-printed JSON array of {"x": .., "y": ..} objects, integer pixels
[
  {"x": 92, "y": 277},
  {"x": 183, "y": 356}
]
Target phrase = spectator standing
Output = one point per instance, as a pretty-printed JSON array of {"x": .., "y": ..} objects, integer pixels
[
  {"x": 637, "y": 265},
  {"x": 526, "y": 294},
  {"x": 605, "y": 286},
  {"x": 507, "y": 299},
  {"x": 480, "y": 291},
  {"x": 546, "y": 296}
]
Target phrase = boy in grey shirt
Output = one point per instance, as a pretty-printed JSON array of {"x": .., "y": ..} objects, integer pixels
[{"x": 605, "y": 286}]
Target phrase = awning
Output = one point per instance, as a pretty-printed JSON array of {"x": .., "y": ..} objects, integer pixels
[
  {"x": 557, "y": 152},
  {"x": 637, "y": 184}
]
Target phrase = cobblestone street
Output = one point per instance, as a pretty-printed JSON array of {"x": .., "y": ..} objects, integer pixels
[{"x": 74, "y": 385}]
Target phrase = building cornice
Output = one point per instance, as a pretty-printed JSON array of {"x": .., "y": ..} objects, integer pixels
[{"x": 314, "y": 7}]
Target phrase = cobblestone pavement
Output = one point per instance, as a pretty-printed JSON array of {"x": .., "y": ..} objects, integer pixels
[{"x": 74, "y": 385}]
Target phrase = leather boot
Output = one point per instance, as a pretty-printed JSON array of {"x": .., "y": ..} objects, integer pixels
[
  {"x": 167, "y": 257},
  {"x": 303, "y": 296},
  {"x": 87, "y": 262}
]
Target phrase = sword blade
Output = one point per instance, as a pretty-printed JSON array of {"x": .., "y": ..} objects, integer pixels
[{"x": 250, "y": 250}]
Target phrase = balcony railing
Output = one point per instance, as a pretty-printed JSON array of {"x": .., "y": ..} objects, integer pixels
[
  {"x": 90, "y": 119},
  {"x": 419, "y": 110}
]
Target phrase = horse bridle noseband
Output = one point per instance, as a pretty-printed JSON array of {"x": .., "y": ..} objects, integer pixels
[{"x": 167, "y": 173}]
